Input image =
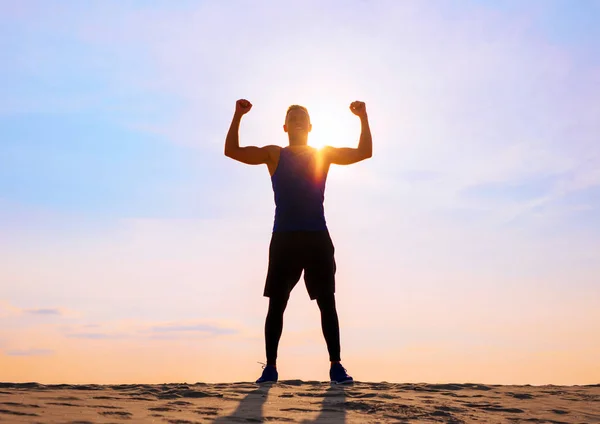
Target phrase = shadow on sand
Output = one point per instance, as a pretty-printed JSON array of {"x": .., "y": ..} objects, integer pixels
[
  {"x": 250, "y": 408},
  {"x": 333, "y": 409}
]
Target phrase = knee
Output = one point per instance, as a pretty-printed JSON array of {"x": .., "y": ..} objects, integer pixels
[
  {"x": 277, "y": 305},
  {"x": 326, "y": 302}
]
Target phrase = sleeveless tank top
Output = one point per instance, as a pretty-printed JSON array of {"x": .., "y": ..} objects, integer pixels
[{"x": 299, "y": 189}]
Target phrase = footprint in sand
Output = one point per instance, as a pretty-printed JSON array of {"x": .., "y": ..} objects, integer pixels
[
  {"x": 22, "y": 405},
  {"x": 161, "y": 409},
  {"x": 105, "y": 406},
  {"x": 298, "y": 410},
  {"x": 120, "y": 414},
  {"x": 25, "y": 414},
  {"x": 207, "y": 410},
  {"x": 62, "y": 404},
  {"x": 64, "y": 398},
  {"x": 520, "y": 395},
  {"x": 180, "y": 403}
]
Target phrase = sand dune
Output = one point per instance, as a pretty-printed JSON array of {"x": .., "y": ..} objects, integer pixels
[{"x": 297, "y": 401}]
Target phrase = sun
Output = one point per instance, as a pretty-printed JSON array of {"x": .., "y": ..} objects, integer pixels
[{"x": 333, "y": 127}]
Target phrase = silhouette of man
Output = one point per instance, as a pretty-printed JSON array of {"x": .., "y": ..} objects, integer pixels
[{"x": 300, "y": 240}]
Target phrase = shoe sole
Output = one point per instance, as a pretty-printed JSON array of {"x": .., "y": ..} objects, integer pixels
[{"x": 343, "y": 382}]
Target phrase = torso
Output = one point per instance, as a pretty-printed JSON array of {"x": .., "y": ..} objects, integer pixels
[
  {"x": 275, "y": 152},
  {"x": 298, "y": 178}
]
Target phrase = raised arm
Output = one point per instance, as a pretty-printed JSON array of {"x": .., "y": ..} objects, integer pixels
[
  {"x": 349, "y": 155},
  {"x": 250, "y": 155}
]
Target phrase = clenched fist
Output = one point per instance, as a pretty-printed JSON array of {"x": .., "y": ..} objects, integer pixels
[
  {"x": 358, "y": 108},
  {"x": 242, "y": 106}
]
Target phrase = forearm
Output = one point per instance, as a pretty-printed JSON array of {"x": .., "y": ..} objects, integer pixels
[
  {"x": 232, "y": 141},
  {"x": 365, "y": 144}
]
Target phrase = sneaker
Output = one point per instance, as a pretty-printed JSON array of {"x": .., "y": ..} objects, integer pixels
[
  {"x": 338, "y": 375},
  {"x": 269, "y": 374}
]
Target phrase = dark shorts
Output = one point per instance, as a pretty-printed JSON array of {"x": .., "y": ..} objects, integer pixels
[{"x": 292, "y": 252}]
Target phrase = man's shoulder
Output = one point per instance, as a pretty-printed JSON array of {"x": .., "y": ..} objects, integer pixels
[{"x": 272, "y": 148}]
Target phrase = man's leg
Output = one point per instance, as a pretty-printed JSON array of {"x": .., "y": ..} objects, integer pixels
[
  {"x": 331, "y": 331},
  {"x": 330, "y": 325},
  {"x": 274, "y": 326}
]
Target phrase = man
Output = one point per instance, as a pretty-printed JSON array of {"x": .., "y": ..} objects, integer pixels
[{"x": 300, "y": 239}]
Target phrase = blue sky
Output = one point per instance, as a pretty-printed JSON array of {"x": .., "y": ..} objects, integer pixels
[{"x": 478, "y": 212}]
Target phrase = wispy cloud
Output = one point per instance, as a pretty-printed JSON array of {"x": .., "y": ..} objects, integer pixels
[
  {"x": 44, "y": 311},
  {"x": 96, "y": 336},
  {"x": 198, "y": 328},
  {"x": 91, "y": 326},
  {"x": 29, "y": 352},
  {"x": 9, "y": 310},
  {"x": 140, "y": 331}
]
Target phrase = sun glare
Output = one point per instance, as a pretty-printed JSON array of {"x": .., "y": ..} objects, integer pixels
[{"x": 339, "y": 128}]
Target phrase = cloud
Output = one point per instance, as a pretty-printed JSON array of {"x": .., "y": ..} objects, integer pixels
[
  {"x": 141, "y": 330},
  {"x": 7, "y": 309},
  {"x": 96, "y": 336},
  {"x": 198, "y": 328},
  {"x": 29, "y": 352},
  {"x": 43, "y": 311}
]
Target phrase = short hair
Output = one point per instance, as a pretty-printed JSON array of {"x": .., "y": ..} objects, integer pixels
[{"x": 294, "y": 107}]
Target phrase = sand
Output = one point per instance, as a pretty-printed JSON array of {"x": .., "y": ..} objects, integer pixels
[{"x": 295, "y": 401}]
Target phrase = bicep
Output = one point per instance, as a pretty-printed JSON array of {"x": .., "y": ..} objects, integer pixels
[
  {"x": 251, "y": 155},
  {"x": 344, "y": 155}
]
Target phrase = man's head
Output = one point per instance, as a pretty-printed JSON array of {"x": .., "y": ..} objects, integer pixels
[{"x": 297, "y": 125}]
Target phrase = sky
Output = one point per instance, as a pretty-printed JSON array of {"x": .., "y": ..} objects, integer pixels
[{"x": 133, "y": 251}]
